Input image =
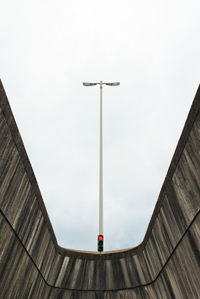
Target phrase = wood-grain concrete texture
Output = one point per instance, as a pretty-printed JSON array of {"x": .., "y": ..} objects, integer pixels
[{"x": 165, "y": 265}]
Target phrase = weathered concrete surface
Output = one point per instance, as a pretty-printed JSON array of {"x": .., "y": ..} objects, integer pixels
[{"x": 165, "y": 265}]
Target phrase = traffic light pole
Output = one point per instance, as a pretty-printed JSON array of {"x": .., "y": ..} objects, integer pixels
[
  {"x": 101, "y": 163},
  {"x": 100, "y": 236}
]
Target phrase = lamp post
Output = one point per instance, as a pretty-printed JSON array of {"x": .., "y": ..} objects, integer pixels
[{"x": 100, "y": 236}]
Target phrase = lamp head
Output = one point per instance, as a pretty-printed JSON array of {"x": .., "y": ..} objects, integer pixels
[
  {"x": 113, "y": 84},
  {"x": 89, "y": 84}
]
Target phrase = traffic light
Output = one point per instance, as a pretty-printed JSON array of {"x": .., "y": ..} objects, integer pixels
[{"x": 100, "y": 243}]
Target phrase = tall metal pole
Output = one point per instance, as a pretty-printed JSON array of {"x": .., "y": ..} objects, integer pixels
[
  {"x": 101, "y": 163},
  {"x": 100, "y": 236}
]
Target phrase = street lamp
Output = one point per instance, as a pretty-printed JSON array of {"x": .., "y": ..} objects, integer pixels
[{"x": 100, "y": 236}]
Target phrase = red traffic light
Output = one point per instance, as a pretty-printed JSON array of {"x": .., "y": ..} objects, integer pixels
[
  {"x": 100, "y": 237},
  {"x": 100, "y": 243}
]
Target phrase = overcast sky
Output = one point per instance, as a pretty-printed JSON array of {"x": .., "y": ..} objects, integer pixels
[{"x": 47, "y": 49}]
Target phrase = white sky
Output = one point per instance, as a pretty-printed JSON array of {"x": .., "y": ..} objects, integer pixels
[{"x": 47, "y": 49}]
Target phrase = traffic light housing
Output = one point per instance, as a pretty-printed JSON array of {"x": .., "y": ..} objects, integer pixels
[{"x": 100, "y": 243}]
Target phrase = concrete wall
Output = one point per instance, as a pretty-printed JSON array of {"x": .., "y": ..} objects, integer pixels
[{"x": 165, "y": 265}]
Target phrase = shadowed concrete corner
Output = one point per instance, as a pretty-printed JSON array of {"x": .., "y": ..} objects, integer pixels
[{"x": 165, "y": 265}]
